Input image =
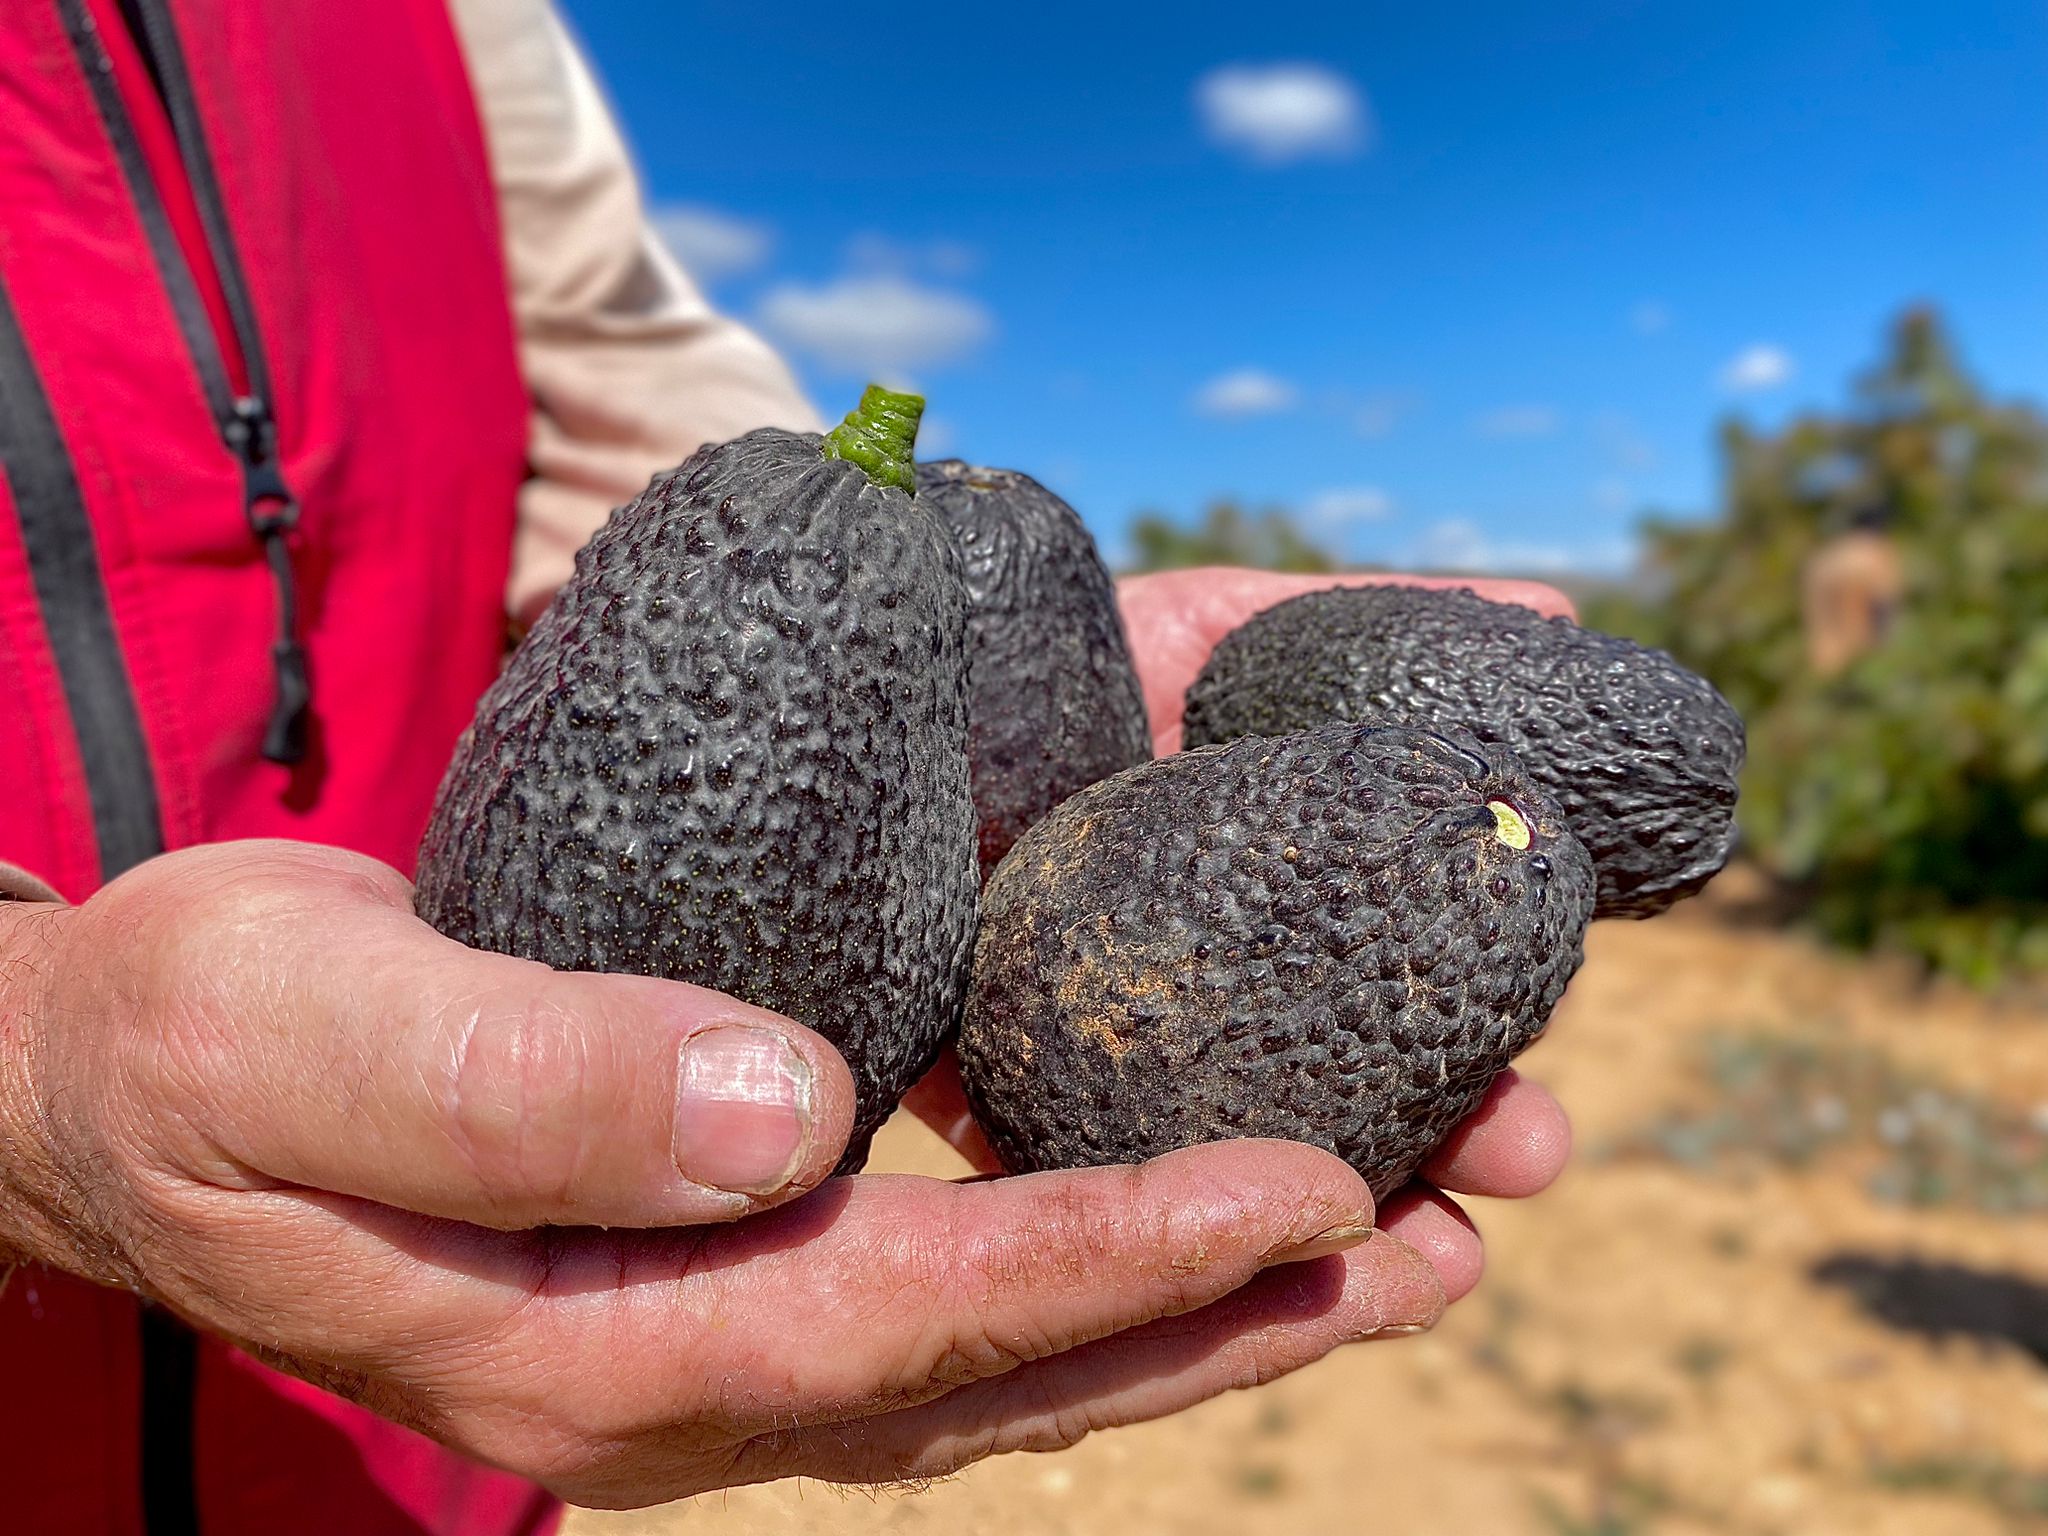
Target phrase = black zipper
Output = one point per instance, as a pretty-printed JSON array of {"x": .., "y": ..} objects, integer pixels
[
  {"x": 168, "y": 1351},
  {"x": 169, "y": 1469},
  {"x": 247, "y": 426},
  {"x": 247, "y": 423},
  {"x": 64, "y": 569}
]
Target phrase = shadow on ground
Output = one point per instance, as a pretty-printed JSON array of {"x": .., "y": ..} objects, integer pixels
[{"x": 1943, "y": 1301}]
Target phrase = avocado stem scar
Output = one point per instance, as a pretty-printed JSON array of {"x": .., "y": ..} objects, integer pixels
[{"x": 1508, "y": 825}]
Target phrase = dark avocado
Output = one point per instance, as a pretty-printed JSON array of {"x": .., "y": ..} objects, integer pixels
[
  {"x": 733, "y": 751},
  {"x": 1641, "y": 755},
  {"x": 1056, "y": 703},
  {"x": 1338, "y": 936}
]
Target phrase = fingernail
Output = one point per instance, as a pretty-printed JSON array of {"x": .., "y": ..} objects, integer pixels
[
  {"x": 1326, "y": 1242},
  {"x": 743, "y": 1109},
  {"x": 1396, "y": 1331}
]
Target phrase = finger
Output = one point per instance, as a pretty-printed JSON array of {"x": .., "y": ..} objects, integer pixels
[
  {"x": 875, "y": 1293},
  {"x": 1431, "y": 1224},
  {"x": 1515, "y": 1144},
  {"x": 1175, "y": 619},
  {"x": 344, "y": 1045},
  {"x": 941, "y": 1103},
  {"x": 908, "y": 1287},
  {"x": 1280, "y": 1321}
]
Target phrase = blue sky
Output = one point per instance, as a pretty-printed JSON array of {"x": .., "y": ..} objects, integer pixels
[{"x": 1468, "y": 285}]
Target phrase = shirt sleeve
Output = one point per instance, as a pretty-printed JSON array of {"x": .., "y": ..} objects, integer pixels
[
  {"x": 629, "y": 368},
  {"x": 17, "y": 884}
]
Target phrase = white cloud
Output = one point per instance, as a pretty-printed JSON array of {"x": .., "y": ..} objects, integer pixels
[
  {"x": 1624, "y": 445},
  {"x": 952, "y": 258},
  {"x": 1520, "y": 421},
  {"x": 1651, "y": 317},
  {"x": 871, "y": 251},
  {"x": 936, "y": 437},
  {"x": 1461, "y": 546},
  {"x": 711, "y": 245},
  {"x": 1759, "y": 366},
  {"x": 1246, "y": 392},
  {"x": 1061, "y": 474},
  {"x": 1349, "y": 504},
  {"x": 1275, "y": 113},
  {"x": 876, "y": 323},
  {"x": 1378, "y": 415}
]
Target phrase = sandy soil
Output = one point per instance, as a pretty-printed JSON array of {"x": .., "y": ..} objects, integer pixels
[{"x": 1652, "y": 1349}]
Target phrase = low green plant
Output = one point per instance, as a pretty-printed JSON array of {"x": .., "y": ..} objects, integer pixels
[
  {"x": 1772, "y": 1101},
  {"x": 2010, "y": 1490}
]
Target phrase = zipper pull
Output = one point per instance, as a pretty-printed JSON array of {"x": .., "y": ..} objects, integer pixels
[{"x": 272, "y": 512}]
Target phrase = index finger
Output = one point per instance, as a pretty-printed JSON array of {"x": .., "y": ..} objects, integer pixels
[{"x": 888, "y": 1289}]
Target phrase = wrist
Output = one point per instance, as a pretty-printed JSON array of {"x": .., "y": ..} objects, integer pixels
[{"x": 33, "y": 1228}]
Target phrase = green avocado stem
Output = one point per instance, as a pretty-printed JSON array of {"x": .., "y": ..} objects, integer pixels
[{"x": 878, "y": 435}]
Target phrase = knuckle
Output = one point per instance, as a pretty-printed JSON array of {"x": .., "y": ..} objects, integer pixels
[
  {"x": 1067, "y": 1426},
  {"x": 515, "y": 1407},
  {"x": 955, "y": 1455},
  {"x": 176, "y": 951},
  {"x": 200, "y": 912},
  {"x": 960, "y": 1350},
  {"x": 1004, "y": 1295},
  {"x": 1251, "y": 1367},
  {"x": 1073, "y": 1231},
  {"x": 965, "y": 1341},
  {"x": 536, "y": 1446},
  {"x": 357, "y": 1384},
  {"x": 989, "y": 1283},
  {"x": 1043, "y": 1419},
  {"x": 522, "y": 1082}
]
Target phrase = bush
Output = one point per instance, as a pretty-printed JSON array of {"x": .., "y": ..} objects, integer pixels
[
  {"x": 1906, "y": 797},
  {"x": 1227, "y": 535}
]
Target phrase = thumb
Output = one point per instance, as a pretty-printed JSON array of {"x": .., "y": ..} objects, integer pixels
[{"x": 329, "y": 1038}]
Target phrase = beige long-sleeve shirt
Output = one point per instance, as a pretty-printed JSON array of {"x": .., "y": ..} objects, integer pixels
[{"x": 630, "y": 369}]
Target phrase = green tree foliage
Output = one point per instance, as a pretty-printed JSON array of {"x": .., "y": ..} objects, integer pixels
[
  {"x": 1227, "y": 535},
  {"x": 1906, "y": 797}
]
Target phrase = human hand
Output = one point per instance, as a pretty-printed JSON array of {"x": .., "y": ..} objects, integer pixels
[
  {"x": 1517, "y": 1141},
  {"x": 246, "y": 1081}
]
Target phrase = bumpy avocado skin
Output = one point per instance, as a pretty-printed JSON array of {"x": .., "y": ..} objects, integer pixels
[
  {"x": 733, "y": 752},
  {"x": 1640, "y": 754},
  {"x": 1056, "y": 703},
  {"x": 1323, "y": 936}
]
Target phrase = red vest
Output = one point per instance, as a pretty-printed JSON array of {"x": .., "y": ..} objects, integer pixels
[{"x": 271, "y": 213}]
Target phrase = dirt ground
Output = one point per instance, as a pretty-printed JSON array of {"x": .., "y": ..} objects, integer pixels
[{"x": 1795, "y": 1284}]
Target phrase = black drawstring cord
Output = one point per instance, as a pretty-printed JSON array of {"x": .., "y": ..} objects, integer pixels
[{"x": 272, "y": 513}]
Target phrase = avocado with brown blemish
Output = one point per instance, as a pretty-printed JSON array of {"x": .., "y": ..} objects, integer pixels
[
  {"x": 1641, "y": 755},
  {"x": 1055, "y": 703},
  {"x": 1338, "y": 936}
]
